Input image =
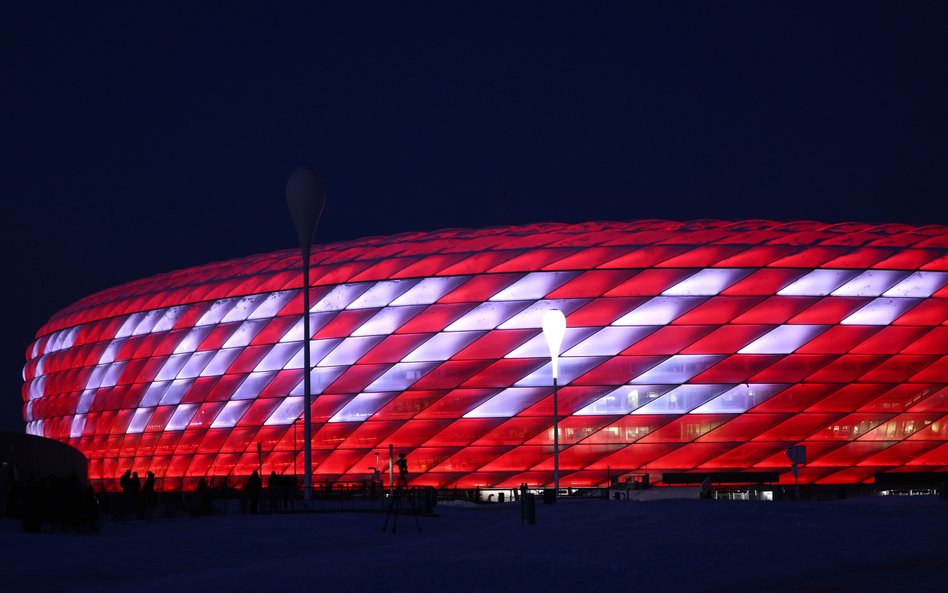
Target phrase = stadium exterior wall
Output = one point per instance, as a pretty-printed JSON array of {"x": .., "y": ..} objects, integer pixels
[{"x": 699, "y": 346}]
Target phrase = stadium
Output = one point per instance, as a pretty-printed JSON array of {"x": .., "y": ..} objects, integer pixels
[{"x": 691, "y": 347}]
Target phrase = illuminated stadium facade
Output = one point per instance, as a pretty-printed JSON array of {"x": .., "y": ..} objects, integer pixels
[{"x": 703, "y": 346}]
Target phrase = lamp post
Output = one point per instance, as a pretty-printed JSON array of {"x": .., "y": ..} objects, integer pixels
[
  {"x": 305, "y": 197},
  {"x": 554, "y": 328}
]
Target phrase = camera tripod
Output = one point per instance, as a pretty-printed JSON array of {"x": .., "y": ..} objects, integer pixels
[{"x": 395, "y": 508}]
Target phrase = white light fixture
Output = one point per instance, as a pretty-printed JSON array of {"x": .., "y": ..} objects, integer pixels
[{"x": 554, "y": 328}]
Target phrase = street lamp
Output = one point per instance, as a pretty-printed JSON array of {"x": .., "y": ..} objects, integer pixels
[
  {"x": 554, "y": 328},
  {"x": 305, "y": 197}
]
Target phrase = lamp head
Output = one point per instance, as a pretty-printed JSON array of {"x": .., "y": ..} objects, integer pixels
[
  {"x": 554, "y": 328},
  {"x": 305, "y": 197}
]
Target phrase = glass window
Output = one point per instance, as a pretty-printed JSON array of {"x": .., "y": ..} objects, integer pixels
[
  {"x": 361, "y": 407},
  {"x": 401, "y": 376},
  {"x": 739, "y": 399},
  {"x": 678, "y": 368},
  {"x": 682, "y": 399},
  {"x": 624, "y": 400}
]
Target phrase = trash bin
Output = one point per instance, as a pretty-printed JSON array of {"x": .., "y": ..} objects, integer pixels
[
  {"x": 549, "y": 496},
  {"x": 528, "y": 509}
]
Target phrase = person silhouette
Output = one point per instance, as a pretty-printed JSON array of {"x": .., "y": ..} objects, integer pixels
[
  {"x": 402, "y": 464},
  {"x": 252, "y": 489}
]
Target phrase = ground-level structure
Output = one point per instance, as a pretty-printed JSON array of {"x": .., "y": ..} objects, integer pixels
[{"x": 704, "y": 346}]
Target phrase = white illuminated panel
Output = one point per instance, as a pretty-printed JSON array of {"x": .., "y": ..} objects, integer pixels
[
  {"x": 85, "y": 401},
  {"x": 532, "y": 316},
  {"x": 316, "y": 322},
  {"x": 509, "y": 402},
  {"x": 173, "y": 366},
  {"x": 871, "y": 283},
  {"x": 193, "y": 339},
  {"x": 112, "y": 374},
  {"x": 96, "y": 376},
  {"x": 196, "y": 364},
  {"x": 318, "y": 349},
  {"x": 429, "y": 290},
  {"x": 387, "y": 321},
  {"x": 221, "y": 362},
  {"x": 139, "y": 420},
  {"x": 488, "y": 315},
  {"x": 153, "y": 394},
  {"x": 659, "y": 311},
  {"x": 918, "y": 285},
  {"x": 739, "y": 399},
  {"x": 169, "y": 318},
  {"x": 682, "y": 399},
  {"x": 881, "y": 311},
  {"x": 320, "y": 378},
  {"x": 253, "y": 385},
  {"x": 818, "y": 283},
  {"x": 216, "y": 312},
  {"x": 175, "y": 392},
  {"x": 37, "y": 387},
  {"x": 536, "y": 347},
  {"x": 278, "y": 357},
  {"x": 148, "y": 322},
  {"x": 707, "y": 282},
  {"x": 381, "y": 294},
  {"x": 286, "y": 413},
  {"x": 349, "y": 350},
  {"x": 181, "y": 417},
  {"x": 245, "y": 334},
  {"x": 273, "y": 304},
  {"x": 231, "y": 414},
  {"x": 131, "y": 322},
  {"x": 610, "y": 341},
  {"x": 783, "y": 339},
  {"x": 361, "y": 407},
  {"x": 244, "y": 307},
  {"x": 534, "y": 285},
  {"x": 340, "y": 297},
  {"x": 624, "y": 400},
  {"x": 569, "y": 369},
  {"x": 442, "y": 346},
  {"x": 108, "y": 355},
  {"x": 401, "y": 376},
  {"x": 678, "y": 368},
  {"x": 78, "y": 425}
]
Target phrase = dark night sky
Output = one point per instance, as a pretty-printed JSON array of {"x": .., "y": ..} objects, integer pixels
[{"x": 143, "y": 137}]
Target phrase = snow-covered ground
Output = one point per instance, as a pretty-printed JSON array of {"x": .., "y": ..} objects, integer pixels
[{"x": 890, "y": 544}]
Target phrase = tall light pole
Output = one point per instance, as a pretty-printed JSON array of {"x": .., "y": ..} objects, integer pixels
[
  {"x": 305, "y": 197},
  {"x": 554, "y": 328}
]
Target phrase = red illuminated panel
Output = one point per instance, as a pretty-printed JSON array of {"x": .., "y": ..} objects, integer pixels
[{"x": 431, "y": 342}]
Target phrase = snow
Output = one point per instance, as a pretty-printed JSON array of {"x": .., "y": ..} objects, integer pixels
[{"x": 860, "y": 544}]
